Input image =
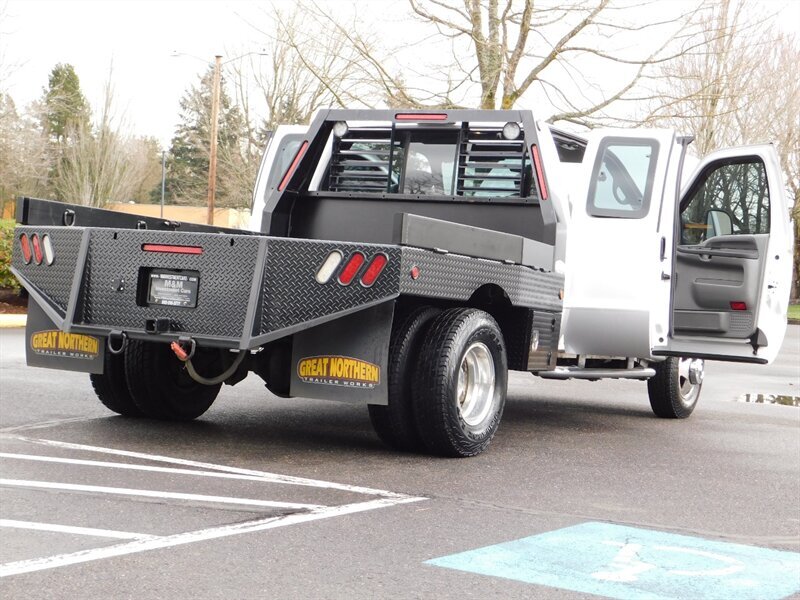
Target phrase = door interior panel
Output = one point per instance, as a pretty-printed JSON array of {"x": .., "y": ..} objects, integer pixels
[{"x": 717, "y": 285}]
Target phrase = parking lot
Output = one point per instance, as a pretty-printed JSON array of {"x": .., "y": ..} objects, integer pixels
[{"x": 582, "y": 493}]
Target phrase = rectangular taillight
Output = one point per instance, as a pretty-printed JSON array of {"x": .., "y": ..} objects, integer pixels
[{"x": 172, "y": 249}]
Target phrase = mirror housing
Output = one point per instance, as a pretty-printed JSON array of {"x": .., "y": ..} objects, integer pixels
[{"x": 718, "y": 223}]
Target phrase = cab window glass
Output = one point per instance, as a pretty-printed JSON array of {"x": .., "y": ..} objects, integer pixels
[
  {"x": 283, "y": 158},
  {"x": 427, "y": 165},
  {"x": 502, "y": 180},
  {"x": 729, "y": 199},
  {"x": 622, "y": 179}
]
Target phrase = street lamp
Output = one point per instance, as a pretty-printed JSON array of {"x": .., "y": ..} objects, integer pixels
[{"x": 213, "y": 134}]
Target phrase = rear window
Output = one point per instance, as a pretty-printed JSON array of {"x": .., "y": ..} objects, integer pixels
[{"x": 622, "y": 179}]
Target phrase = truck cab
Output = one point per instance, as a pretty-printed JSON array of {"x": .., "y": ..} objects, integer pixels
[{"x": 658, "y": 269}]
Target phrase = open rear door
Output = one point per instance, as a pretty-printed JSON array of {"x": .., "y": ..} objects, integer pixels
[{"x": 732, "y": 260}]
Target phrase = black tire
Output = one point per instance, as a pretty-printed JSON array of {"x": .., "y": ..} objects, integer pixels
[
  {"x": 161, "y": 387},
  {"x": 446, "y": 423},
  {"x": 112, "y": 387},
  {"x": 672, "y": 395},
  {"x": 395, "y": 424}
]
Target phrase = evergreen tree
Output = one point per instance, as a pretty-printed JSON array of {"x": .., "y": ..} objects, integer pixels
[
  {"x": 65, "y": 106},
  {"x": 188, "y": 159}
]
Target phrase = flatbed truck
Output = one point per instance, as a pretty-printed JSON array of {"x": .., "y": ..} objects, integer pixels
[{"x": 407, "y": 260}]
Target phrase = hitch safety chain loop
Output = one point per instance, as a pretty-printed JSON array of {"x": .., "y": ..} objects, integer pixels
[
  {"x": 117, "y": 335},
  {"x": 186, "y": 357}
]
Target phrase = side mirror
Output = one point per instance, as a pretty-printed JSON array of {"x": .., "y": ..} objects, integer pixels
[{"x": 718, "y": 223}]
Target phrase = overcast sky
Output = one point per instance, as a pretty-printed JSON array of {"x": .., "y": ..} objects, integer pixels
[{"x": 139, "y": 37}]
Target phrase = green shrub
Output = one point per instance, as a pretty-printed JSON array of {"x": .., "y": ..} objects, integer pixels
[{"x": 7, "y": 280}]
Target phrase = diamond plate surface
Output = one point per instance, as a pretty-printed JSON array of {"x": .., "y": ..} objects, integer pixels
[
  {"x": 292, "y": 295},
  {"x": 54, "y": 280},
  {"x": 451, "y": 276},
  {"x": 226, "y": 268}
]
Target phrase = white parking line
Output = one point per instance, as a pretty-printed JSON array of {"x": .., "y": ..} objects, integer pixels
[
  {"x": 98, "y": 489},
  {"x": 109, "y": 533},
  {"x": 48, "y": 424},
  {"x": 129, "y": 466},
  {"x": 141, "y": 544},
  {"x": 38, "y": 564},
  {"x": 271, "y": 477}
]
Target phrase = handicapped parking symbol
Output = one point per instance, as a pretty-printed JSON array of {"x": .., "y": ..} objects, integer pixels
[{"x": 625, "y": 562}]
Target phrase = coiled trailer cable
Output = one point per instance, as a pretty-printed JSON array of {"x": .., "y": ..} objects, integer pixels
[{"x": 186, "y": 357}]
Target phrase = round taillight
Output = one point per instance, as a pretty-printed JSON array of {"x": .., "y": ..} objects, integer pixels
[
  {"x": 25, "y": 246},
  {"x": 47, "y": 246},
  {"x": 37, "y": 249}
]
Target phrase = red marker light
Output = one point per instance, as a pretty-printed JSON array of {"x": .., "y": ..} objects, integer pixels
[
  {"x": 37, "y": 249},
  {"x": 421, "y": 117},
  {"x": 414, "y": 272},
  {"x": 351, "y": 269},
  {"x": 738, "y": 306},
  {"x": 169, "y": 249},
  {"x": 290, "y": 171},
  {"x": 374, "y": 270},
  {"x": 537, "y": 163},
  {"x": 25, "y": 246}
]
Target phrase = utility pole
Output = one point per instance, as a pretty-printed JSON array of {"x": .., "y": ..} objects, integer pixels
[
  {"x": 212, "y": 160},
  {"x": 163, "y": 178}
]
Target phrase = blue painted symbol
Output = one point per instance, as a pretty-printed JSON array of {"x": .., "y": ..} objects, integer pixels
[{"x": 624, "y": 562}]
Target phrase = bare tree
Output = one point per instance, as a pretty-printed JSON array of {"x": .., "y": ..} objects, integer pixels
[
  {"x": 25, "y": 160},
  {"x": 370, "y": 71},
  {"x": 743, "y": 89},
  {"x": 104, "y": 165},
  {"x": 709, "y": 91},
  {"x": 311, "y": 65},
  {"x": 304, "y": 66},
  {"x": 6, "y": 66},
  {"x": 579, "y": 57}
]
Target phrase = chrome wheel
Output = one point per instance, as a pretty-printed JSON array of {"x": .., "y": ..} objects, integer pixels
[
  {"x": 476, "y": 384},
  {"x": 690, "y": 378}
]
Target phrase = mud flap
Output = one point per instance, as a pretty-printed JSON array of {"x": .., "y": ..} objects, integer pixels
[
  {"x": 49, "y": 347},
  {"x": 345, "y": 359}
]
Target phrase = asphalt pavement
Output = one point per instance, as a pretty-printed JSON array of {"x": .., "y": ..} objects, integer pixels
[{"x": 582, "y": 493}]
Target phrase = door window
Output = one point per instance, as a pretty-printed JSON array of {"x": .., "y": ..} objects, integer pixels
[
  {"x": 731, "y": 198},
  {"x": 622, "y": 180}
]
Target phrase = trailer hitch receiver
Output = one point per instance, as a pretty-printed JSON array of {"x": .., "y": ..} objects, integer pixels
[{"x": 159, "y": 325}]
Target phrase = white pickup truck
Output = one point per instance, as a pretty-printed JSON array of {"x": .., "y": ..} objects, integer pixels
[{"x": 408, "y": 260}]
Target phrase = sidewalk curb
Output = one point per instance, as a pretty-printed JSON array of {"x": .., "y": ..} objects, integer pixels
[{"x": 9, "y": 321}]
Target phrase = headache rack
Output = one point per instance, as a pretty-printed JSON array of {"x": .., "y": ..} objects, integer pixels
[
  {"x": 490, "y": 165},
  {"x": 362, "y": 160},
  {"x": 483, "y": 165}
]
